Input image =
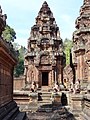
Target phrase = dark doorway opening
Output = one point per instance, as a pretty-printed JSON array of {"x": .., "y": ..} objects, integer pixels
[{"x": 44, "y": 78}]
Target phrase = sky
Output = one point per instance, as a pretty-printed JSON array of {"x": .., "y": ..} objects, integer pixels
[{"x": 21, "y": 16}]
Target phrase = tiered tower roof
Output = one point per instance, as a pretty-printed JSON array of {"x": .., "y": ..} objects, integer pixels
[
  {"x": 45, "y": 25},
  {"x": 45, "y": 35}
]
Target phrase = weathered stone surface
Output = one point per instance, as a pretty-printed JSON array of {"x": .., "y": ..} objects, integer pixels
[
  {"x": 76, "y": 102},
  {"x": 45, "y": 58},
  {"x": 85, "y": 115},
  {"x": 68, "y": 76},
  {"x": 11, "y": 111},
  {"x": 8, "y": 59},
  {"x": 81, "y": 45},
  {"x": 2, "y": 21},
  {"x": 18, "y": 83}
]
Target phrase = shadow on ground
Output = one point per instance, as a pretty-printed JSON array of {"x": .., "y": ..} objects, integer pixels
[{"x": 51, "y": 112}]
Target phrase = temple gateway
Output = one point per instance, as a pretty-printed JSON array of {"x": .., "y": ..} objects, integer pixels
[{"x": 45, "y": 59}]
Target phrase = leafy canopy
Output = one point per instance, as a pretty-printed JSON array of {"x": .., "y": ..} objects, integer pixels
[
  {"x": 9, "y": 34},
  {"x": 67, "y": 48}
]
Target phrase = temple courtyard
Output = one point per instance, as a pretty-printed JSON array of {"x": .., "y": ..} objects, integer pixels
[{"x": 48, "y": 89}]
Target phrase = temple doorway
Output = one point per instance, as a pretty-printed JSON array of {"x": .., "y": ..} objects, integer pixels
[{"x": 44, "y": 78}]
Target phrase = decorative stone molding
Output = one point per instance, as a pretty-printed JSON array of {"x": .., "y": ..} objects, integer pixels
[{"x": 45, "y": 47}]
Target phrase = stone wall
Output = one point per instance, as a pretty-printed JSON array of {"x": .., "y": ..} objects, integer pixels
[
  {"x": 7, "y": 62},
  {"x": 80, "y": 106},
  {"x": 86, "y": 108},
  {"x": 19, "y": 83}
]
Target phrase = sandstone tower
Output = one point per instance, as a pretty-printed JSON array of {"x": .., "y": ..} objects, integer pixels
[
  {"x": 45, "y": 58},
  {"x": 81, "y": 44}
]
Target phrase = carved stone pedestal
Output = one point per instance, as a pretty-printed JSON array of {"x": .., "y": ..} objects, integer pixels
[
  {"x": 33, "y": 97},
  {"x": 86, "y": 108},
  {"x": 76, "y": 104},
  {"x": 33, "y": 102},
  {"x": 56, "y": 98}
]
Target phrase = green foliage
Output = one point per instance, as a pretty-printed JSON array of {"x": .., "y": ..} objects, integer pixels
[
  {"x": 67, "y": 48},
  {"x": 9, "y": 34},
  {"x": 22, "y": 52},
  {"x": 19, "y": 69}
]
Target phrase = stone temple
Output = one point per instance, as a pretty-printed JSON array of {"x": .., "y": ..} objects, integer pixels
[
  {"x": 45, "y": 64},
  {"x": 81, "y": 45},
  {"x": 45, "y": 58}
]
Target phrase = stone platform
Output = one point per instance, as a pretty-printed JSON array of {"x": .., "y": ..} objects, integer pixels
[{"x": 30, "y": 101}]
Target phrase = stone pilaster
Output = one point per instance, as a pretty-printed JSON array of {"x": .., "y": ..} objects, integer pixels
[{"x": 88, "y": 62}]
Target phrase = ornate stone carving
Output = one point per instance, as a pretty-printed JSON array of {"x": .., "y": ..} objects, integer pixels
[
  {"x": 81, "y": 42},
  {"x": 45, "y": 46},
  {"x": 86, "y": 1}
]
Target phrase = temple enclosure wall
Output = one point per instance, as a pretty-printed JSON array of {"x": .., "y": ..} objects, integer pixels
[
  {"x": 7, "y": 63},
  {"x": 8, "y": 59},
  {"x": 18, "y": 83}
]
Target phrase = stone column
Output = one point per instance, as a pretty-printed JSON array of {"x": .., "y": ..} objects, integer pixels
[
  {"x": 78, "y": 67},
  {"x": 76, "y": 72},
  {"x": 50, "y": 78},
  {"x": 36, "y": 75},
  {"x": 60, "y": 74},
  {"x": 55, "y": 76},
  {"x": 25, "y": 74},
  {"x": 81, "y": 67},
  {"x": 88, "y": 62},
  {"x": 40, "y": 79}
]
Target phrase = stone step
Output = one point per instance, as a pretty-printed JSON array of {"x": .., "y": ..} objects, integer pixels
[
  {"x": 46, "y": 92},
  {"x": 83, "y": 116},
  {"x": 20, "y": 116},
  {"x": 12, "y": 114},
  {"x": 6, "y": 109},
  {"x": 30, "y": 108},
  {"x": 44, "y": 102},
  {"x": 21, "y": 98},
  {"x": 46, "y": 98},
  {"x": 46, "y": 95},
  {"x": 11, "y": 111}
]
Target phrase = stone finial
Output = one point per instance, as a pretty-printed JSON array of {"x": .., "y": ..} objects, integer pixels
[
  {"x": 45, "y": 3},
  {"x": 44, "y": 8},
  {"x": 0, "y": 11},
  {"x": 2, "y": 21}
]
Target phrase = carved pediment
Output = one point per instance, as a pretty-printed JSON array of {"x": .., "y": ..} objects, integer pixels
[{"x": 45, "y": 60}]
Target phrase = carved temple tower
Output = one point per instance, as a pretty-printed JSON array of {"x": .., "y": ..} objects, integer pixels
[
  {"x": 81, "y": 44},
  {"x": 45, "y": 57}
]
